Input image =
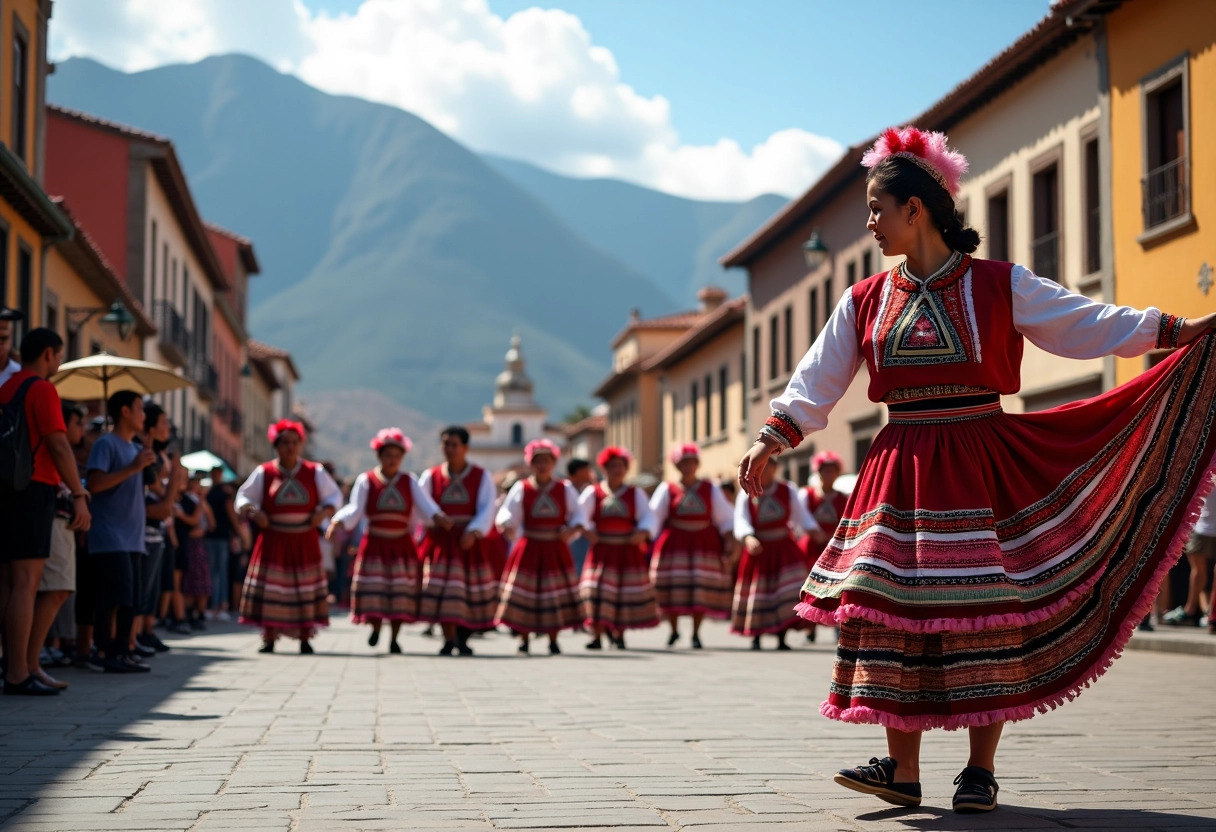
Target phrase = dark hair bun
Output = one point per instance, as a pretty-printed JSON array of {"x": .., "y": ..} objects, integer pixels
[{"x": 960, "y": 237}]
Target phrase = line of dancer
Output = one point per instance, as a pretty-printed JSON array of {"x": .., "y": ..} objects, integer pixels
[{"x": 445, "y": 549}]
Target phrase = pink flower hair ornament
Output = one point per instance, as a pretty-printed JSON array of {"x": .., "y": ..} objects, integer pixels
[
  {"x": 682, "y": 452},
  {"x": 927, "y": 150},
  {"x": 613, "y": 452},
  {"x": 391, "y": 436},
  {"x": 282, "y": 426},
  {"x": 541, "y": 446},
  {"x": 826, "y": 458}
]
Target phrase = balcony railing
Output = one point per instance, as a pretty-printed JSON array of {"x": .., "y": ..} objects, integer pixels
[
  {"x": 1045, "y": 254},
  {"x": 1166, "y": 193},
  {"x": 175, "y": 339},
  {"x": 206, "y": 377}
]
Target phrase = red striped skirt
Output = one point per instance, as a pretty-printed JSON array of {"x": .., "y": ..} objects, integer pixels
[
  {"x": 539, "y": 589},
  {"x": 991, "y": 567},
  {"x": 458, "y": 587},
  {"x": 616, "y": 588},
  {"x": 768, "y": 588},
  {"x": 387, "y": 581},
  {"x": 688, "y": 574},
  {"x": 285, "y": 586}
]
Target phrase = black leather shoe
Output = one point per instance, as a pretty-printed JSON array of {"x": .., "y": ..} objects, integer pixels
[
  {"x": 30, "y": 687},
  {"x": 373, "y": 639},
  {"x": 267, "y": 647},
  {"x": 448, "y": 649},
  {"x": 696, "y": 642},
  {"x": 394, "y": 647},
  {"x": 878, "y": 779},
  {"x": 976, "y": 791},
  {"x": 306, "y": 649}
]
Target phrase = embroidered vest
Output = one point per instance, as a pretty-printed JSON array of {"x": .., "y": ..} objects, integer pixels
[
  {"x": 457, "y": 496},
  {"x": 287, "y": 499},
  {"x": 953, "y": 334},
  {"x": 545, "y": 507},
  {"x": 615, "y": 515},
  {"x": 770, "y": 512},
  {"x": 827, "y": 513},
  {"x": 389, "y": 504},
  {"x": 694, "y": 506}
]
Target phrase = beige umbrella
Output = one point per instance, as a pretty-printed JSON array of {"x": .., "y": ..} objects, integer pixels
[{"x": 97, "y": 376}]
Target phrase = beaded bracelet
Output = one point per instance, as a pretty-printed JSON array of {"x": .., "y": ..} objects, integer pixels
[
  {"x": 785, "y": 427},
  {"x": 1169, "y": 331}
]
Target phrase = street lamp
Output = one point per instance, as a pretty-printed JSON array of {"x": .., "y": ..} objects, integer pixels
[
  {"x": 116, "y": 315},
  {"x": 814, "y": 250}
]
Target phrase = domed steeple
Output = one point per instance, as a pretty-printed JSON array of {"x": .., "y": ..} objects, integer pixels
[{"x": 513, "y": 388}]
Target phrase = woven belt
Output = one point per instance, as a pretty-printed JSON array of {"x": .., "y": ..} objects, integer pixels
[
  {"x": 291, "y": 528},
  {"x": 686, "y": 526},
  {"x": 616, "y": 539},
  {"x": 387, "y": 534},
  {"x": 945, "y": 409},
  {"x": 542, "y": 535},
  {"x": 772, "y": 534}
]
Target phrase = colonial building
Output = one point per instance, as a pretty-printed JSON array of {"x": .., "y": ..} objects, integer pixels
[
  {"x": 88, "y": 304},
  {"x": 229, "y": 352},
  {"x": 29, "y": 221},
  {"x": 127, "y": 188},
  {"x": 703, "y": 398},
  {"x": 632, "y": 389},
  {"x": 1163, "y": 157},
  {"x": 1032, "y": 123},
  {"x": 497, "y": 442},
  {"x": 259, "y": 385},
  {"x": 586, "y": 437}
]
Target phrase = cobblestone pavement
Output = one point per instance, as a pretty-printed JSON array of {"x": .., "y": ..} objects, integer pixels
[{"x": 219, "y": 737}]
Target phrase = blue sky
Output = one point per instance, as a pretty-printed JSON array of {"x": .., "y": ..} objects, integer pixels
[
  {"x": 715, "y": 99},
  {"x": 745, "y": 69}
]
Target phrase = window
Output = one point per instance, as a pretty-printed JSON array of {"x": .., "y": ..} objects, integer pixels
[
  {"x": 3, "y": 264},
  {"x": 851, "y": 272},
  {"x": 755, "y": 358},
  {"x": 517, "y": 434},
  {"x": 773, "y": 369},
  {"x": 709, "y": 407},
  {"x": 998, "y": 226},
  {"x": 152, "y": 266},
  {"x": 722, "y": 398},
  {"x": 25, "y": 285},
  {"x": 827, "y": 300},
  {"x": 1045, "y": 247},
  {"x": 21, "y": 60},
  {"x": 813, "y": 304},
  {"x": 50, "y": 318},
  {"x": 789, "y": 339},
  {"x": 692, "y": 401},
  {"x": 675, "y": 415},
  {"x": 867, "y": 264},
  {"x": 1093, "y": 207},
  {"x": 164, "y": 268},
  {"x": 742, "y": 397},
  {"x": 1166, "y": 185},
  {"x": 72, "y": 344}
]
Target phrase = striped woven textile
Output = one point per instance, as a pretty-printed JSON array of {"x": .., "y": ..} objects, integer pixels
[
  {"x": 615, "y": 588},
  {"x": 539, "y": 590},
  {"x": 458, "y": 587},
  {"x": 387, "y": 581},
  {"x": 285, "y": 587},
  {"x": 688, "y": 574},
  {"x": 992, "y": 567},
  {"x": 768, "y": 588}
]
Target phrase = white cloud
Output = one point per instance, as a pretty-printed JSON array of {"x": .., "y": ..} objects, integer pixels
[{"x": 533, "y": 86}]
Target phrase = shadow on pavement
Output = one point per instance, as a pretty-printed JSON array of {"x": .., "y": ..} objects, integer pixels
[{"x": 1012, "y": 816}]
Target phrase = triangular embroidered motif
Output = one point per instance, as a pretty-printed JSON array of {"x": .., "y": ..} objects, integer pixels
[
  {"x": 544, "y": 507},
  {"x": 770, "y": 510},
  {"x": 291, "y": 493},
  {"x": 390, "y": 500},
  {"x": 613, "y": 506},
  {"x": 692, "y": 504},
  {"x": 455, "y": 493},
  {"x": 923, "y": 330}
]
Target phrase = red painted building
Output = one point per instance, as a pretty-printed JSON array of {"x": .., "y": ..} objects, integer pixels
[{"x": 229, "y": 350}]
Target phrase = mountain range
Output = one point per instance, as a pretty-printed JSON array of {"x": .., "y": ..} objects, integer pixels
[{"x": 397, "y": 260}]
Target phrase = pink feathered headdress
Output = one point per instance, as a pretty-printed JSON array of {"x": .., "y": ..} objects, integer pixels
[
  {"x": 284, "y": 425},
  {"x": 613, "y": 452},
  {"x": 680, "y": 453},
  {"x": 391, "y": 436},
  {"x": 927, "y": 150},
  {"x": 541, "y": 446},
  {"x": 826, "y": 458}
]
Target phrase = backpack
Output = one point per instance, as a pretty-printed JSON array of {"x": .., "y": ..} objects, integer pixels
[{"x": 16, "y": 455}]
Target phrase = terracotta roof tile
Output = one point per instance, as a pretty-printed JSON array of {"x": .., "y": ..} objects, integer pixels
[{"x": 727, "y": 314}]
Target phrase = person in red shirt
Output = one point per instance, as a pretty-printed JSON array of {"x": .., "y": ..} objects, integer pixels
[{"x": 26, "y": 517}]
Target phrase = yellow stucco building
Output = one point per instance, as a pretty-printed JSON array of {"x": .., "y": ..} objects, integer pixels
[{"x": 1162, "y": 58}]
